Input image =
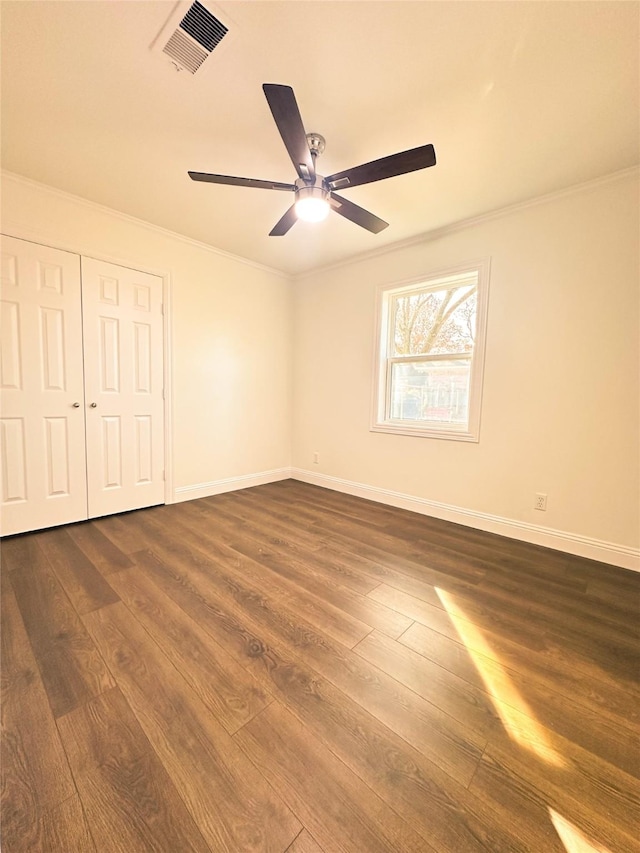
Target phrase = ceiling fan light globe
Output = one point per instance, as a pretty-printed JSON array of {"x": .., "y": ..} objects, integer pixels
[
  {"x": 312, "y": 202},
  {"x": 312, "y": 209}
]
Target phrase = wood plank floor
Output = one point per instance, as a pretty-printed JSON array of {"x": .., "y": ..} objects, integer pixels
[{"x": 287, "y": 668}]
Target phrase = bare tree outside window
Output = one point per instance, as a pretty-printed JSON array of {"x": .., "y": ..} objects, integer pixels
[{"x": 435, "y": 322}]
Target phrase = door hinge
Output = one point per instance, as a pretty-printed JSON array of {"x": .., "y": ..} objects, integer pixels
[{"x": 163, "y": 475}]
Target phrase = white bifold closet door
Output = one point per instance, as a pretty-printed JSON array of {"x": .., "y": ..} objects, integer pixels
[
  {"x": 123, "y": 365},
  {"x": 82, "y": 427},
  {"x": 42, "y": 408}
]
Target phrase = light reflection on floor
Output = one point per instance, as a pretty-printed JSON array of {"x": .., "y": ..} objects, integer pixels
[
  {"x": 520, "y": 725},
  {"x": 573, "y": 839},
  {"x": 516, "y": 716}
]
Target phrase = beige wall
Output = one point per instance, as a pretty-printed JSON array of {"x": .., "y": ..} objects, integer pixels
[
  {"x": 560, "y": 406},
  {"x": 560, "y": 410},
  {"x": 230, "y": 324}
]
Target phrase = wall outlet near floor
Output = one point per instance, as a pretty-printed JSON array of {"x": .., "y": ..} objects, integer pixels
[
  {"x": 540, "y": 502},
  {"x": 316, "y": 458}
]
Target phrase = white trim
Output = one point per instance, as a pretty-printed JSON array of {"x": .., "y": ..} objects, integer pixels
[
  {"x": 101, "y": 208},
  {"x": 30, "y": 235},
  {"x": 462, "y": 224},
  {"x": 427, "y": 236},
  {"x": 167, "y": 327},
  {"x": 571, "y": 543},
  {"x": 423, "y": 429},
  {"x": 229, "y": 484}
]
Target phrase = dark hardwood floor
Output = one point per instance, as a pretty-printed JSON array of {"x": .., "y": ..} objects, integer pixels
[{"x": 287, "y": 668}]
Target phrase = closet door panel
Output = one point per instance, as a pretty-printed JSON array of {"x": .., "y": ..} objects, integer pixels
[
  {"x": 124, "y": 369},
  {"x": 42, "y": 426}
]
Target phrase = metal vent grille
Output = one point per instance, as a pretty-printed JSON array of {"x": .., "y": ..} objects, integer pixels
[
  {"x": 202, "y": 26},
  {"x": 182, "y": 50},
  {"x": 190, "y": 36}
]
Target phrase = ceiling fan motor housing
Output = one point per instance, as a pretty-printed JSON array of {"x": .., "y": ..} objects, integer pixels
[{"x": 312, "y": 189}]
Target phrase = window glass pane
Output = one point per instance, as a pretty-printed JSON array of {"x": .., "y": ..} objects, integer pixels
[
  {"x": 431, "y": 391},
  {"x": 435, "y": 321}
]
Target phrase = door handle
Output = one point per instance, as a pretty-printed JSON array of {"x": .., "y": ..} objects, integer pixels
[
  {"x": 93, "y": 405},
  {"x": 76, "y": 405}
]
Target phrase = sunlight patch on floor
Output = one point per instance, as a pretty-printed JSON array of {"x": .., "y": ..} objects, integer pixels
[
  {"x": 573, "y": 839},
  {"x": 520, "y": 725}
]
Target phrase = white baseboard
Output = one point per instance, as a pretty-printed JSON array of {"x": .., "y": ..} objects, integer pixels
[
  {"x": 571, "y": 543},
  {"x": 230, "y": 484}
]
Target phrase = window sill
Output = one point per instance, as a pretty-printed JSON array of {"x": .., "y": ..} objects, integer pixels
[{"x": 421, "y": 431}]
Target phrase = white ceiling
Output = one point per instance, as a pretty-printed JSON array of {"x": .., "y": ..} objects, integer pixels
[{"x": 518, "y": 98}]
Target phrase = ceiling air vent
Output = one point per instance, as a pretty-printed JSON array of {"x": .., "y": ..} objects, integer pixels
[{"x": 190, "y": 35}]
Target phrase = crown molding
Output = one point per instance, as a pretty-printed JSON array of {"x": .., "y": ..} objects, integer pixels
[
  {"x": 149, "y": 226},
  {"x": 462, "y": 224},
  {"x": 425, "y": 237}
]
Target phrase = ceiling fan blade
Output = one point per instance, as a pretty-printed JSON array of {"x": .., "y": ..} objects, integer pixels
[
  {"x": 283, "y": 106},
  {"x": 357, "y": 214},
  {"x": 239, "y": 182},
  {"x": 284, "y": 224},
  {"x": 386, "y": 167}
]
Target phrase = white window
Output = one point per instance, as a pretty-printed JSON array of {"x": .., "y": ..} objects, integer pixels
[{"x": 430, "y": 354}]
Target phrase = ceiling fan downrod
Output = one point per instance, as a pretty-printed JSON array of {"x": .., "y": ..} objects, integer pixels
[{"x": 317, "y": 144}]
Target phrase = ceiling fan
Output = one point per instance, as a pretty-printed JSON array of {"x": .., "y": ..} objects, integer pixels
[{"x": 315, "y": 195}]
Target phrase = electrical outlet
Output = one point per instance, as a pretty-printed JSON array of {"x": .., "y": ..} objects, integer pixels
[
  {"x": 316, "y": 458},
  {"x": 540, "y": 502}
]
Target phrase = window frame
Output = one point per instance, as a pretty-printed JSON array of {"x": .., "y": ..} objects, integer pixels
[{"x": 381, "y": 420}]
